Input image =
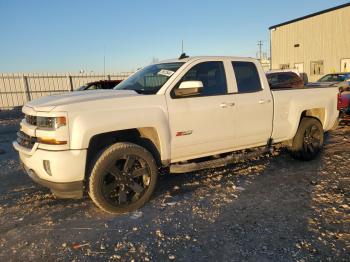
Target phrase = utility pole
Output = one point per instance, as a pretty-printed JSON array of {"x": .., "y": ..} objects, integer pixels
[
  {"x": 104, "y": 65},
  {"x": 104, "y": 62},
  {"x": 182, "y": 46},
  {"x": 260, "y": 44}
]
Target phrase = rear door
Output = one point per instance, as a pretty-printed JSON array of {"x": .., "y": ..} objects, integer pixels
[{"x": 253, "y": 105}]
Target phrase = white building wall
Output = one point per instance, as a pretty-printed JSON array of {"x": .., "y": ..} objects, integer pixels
[{"x": 325, "y": 37}]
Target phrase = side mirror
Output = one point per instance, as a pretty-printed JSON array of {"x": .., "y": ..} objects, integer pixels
[{"x": 189, "y": 88}]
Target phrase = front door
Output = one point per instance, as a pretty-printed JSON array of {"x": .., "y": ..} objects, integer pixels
[{"x": 202, "y": 124}]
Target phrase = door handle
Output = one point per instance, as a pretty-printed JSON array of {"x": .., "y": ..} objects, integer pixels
[
  {"x": 262, "y": 101},
  {"x": 224, "y": 105}
]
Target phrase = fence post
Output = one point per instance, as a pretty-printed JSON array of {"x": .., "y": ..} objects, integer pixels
[
  {"x": 70, "y": 82},
  {"x": 26, "y": 88}
]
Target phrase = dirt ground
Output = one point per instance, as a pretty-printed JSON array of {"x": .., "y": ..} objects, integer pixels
[{"x": 269, "y": 209}]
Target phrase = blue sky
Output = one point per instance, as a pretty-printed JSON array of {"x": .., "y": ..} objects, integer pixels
[{"x": 69, "y": 35}]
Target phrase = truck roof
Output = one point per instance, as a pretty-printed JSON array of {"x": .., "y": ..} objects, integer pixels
[{"x": 193, "y": 58}]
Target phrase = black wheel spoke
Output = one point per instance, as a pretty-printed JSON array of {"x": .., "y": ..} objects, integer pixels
[
  {"x": 122, "y": 197},
  {"x": 315, "y": 142},
  {"x": 129, "y": 162},
  {"x": 110, "y": 187},
  {"x": 136, "y": 187},
  {"x": 139, "y": 172},
  {"x": 311, "y": 148},
  {"x": 114, "y": 171},
  {"x": 314, "y": 131},
  {"x": 305, "y": 145},
  {"x": 307, "y": 132}
]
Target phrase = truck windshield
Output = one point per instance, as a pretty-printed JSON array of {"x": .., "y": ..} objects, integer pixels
[{"x": 149, "y": 79}]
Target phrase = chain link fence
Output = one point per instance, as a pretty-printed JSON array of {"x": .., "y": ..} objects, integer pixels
[{"x": 17, "y": 89}]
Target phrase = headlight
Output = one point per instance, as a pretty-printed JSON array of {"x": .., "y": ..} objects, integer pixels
[{"x": 50, "y": 122}]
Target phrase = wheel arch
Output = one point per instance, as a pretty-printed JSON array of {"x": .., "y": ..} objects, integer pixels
[
  {"x": 147, "y": 137},
  {"x": 318, "y": 113}
]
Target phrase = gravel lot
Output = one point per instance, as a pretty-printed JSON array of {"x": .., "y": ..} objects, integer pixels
[{"x": 268, "y": 209}]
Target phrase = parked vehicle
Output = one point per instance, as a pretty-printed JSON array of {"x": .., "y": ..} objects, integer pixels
[
  {"x": 294, "y": 70},
  {"x": 344, "y": 103},
  {"x": 177, "y": 116},
  {"x": 284, "y": 80},
  {"x": 332, "y": 79},
  {"x": 102, "y": 84}
]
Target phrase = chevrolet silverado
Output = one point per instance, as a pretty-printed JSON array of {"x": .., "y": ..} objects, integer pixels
[{"x": 178, "y": 115}]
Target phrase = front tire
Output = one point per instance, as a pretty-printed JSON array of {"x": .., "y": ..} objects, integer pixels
[
  {"x": 123, "y": 178},
  {"x": 308, "y": 140}
]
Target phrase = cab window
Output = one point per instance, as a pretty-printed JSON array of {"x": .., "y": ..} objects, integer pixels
[
  {"x": 211, "y": 74},
  {"x": 247, "y": 77}
]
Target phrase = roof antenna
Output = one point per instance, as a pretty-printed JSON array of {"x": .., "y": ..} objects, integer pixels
[{"x": 183, "y": 54}]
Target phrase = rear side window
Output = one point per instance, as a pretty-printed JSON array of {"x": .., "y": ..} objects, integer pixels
[
  {"x": 212, "y": 75},
  {"x": 247, "y": 77}
]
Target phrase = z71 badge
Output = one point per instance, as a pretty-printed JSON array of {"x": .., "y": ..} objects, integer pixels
[{"x": 184, "y": 133}]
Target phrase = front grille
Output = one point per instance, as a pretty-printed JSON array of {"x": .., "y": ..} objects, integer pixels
[
  {"x": 25, "y": 140},
  {"x": 31, "y": 120}
]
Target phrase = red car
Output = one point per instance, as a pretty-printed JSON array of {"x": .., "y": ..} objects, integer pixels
[{"x": 344, "y": 104}]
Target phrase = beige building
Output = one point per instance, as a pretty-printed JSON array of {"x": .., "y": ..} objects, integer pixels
[{"x": 316, "y": 44}]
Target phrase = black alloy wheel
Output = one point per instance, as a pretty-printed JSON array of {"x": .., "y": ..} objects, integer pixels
[
  {"x": 123, "y": 178},
  {"x": 308, "y": 140}
]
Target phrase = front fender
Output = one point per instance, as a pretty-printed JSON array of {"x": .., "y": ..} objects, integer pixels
[{"x": 84, "y": 126}]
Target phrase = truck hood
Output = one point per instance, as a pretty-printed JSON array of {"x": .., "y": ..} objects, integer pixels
[{"x": 48, "y": 103}]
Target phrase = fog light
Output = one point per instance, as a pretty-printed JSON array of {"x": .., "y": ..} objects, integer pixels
[{"x": 47, "y": 168}]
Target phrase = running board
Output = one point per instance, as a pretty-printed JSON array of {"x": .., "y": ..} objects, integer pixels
[{"x": 230, "y": 159}]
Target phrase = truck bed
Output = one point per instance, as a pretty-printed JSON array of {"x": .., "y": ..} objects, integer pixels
[{"x": 290, "y": 103}]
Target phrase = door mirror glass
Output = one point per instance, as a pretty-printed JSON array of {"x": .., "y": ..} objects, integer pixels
[{"x": 189, "y": 88}]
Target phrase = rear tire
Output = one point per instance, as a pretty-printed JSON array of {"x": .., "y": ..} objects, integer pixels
[
  {"x": 123, "y": 178},
  {"x": 308, "y": 140}
]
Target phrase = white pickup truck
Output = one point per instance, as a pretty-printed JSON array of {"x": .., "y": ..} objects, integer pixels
[{"x": 178, "y": 115}]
